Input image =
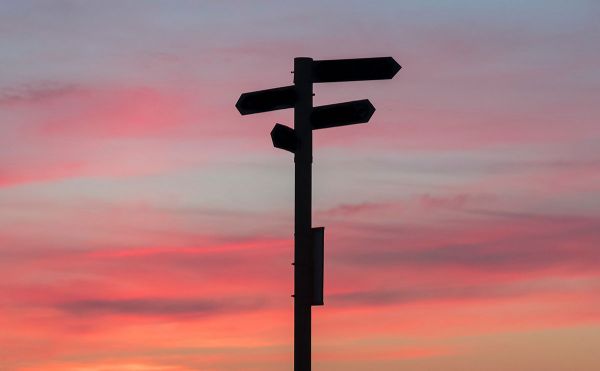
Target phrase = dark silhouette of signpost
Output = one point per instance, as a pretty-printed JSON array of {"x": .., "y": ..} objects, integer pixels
[{"x": 308, "y": 241}]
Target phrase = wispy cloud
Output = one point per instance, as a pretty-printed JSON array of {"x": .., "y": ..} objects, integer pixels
[
  {"x": 522, "y": 243},
  {"x": 34, "y": 94},
  {"x": 475, "y": 292},
  {"x": 158, "y": 306}
]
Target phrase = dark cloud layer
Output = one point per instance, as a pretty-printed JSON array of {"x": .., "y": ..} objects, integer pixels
[
  {"x": 36, "y": 93},
  {"x": 446, "y": 293},
  {"x": 525, "y": 242},
  {"x": 480, "y": 257},
  {"x": 158, "y": 306}
]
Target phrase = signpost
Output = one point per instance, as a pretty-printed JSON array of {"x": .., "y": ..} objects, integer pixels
[{"x": 309, "y": 241}]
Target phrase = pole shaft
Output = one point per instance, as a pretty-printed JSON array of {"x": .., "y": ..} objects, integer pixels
[{"x": 302, "y": 214}]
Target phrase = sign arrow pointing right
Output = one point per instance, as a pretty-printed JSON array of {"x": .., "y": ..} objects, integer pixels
[
  {"x": 340, "y": 114},
  {"x": 359, "y": 69}
]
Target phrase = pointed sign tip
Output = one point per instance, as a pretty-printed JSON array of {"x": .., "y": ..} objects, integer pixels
[
  {"x": 370, "y": 108},
  {"x": 239, "y": 105},
  {"x": 395, "y": 66}
]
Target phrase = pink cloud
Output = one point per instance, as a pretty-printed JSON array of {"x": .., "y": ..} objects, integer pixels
[
  {"x": 25, "y": 173},
  {"x": 62, "y": 131},
  {"x": 354, "y": 209},
  {"x": 71, "y": 109},
  {"x": 454, "y": 202}
]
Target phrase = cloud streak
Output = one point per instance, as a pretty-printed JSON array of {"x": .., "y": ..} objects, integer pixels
[
  {"x": 157, "y": 306},
  {"x": 36, "y": 94}
]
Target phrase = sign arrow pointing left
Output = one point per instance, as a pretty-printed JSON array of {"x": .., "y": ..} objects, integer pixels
[{"x": 266, "y": 100}]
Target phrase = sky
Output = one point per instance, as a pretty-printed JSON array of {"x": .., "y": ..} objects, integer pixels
[{"x": 146, "y": 225}]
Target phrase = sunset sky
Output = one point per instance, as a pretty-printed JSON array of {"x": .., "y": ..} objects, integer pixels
[{"x": 146, "y": 225}]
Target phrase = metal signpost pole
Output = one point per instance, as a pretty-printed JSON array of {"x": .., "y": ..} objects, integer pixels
[{"x": 302, "y": 214}]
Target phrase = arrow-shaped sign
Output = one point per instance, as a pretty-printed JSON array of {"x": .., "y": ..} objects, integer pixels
[
  {"x": 340, "y": 114},
  {"x": 266, "y": 100},
  {"x": 284, "y": 137},
  {"x": 335, "y": 70}
]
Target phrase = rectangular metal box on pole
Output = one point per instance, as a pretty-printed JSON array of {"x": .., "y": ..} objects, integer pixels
[{"x": 318, "y": 260}]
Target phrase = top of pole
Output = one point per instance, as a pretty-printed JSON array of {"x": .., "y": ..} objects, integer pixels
[{"x": 304, "y": 61}]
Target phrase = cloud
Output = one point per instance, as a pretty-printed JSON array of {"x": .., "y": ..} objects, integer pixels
[
  {"x": 444, "y": 292},
  {"x": 117, "y": 111},
  {"x": 55, "y": 130},
  {"x": 35, "y": 94},
  {"x": 453, "y": 202},
  {"x": 136, "y": 279},
  {"x": 491, "y": 241},
  {"x": 157, "y": 306},
  {"x": 520, "y": 254},
  {"x": 27, "y": 173},
  {"x": 353, "y": 209}
]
